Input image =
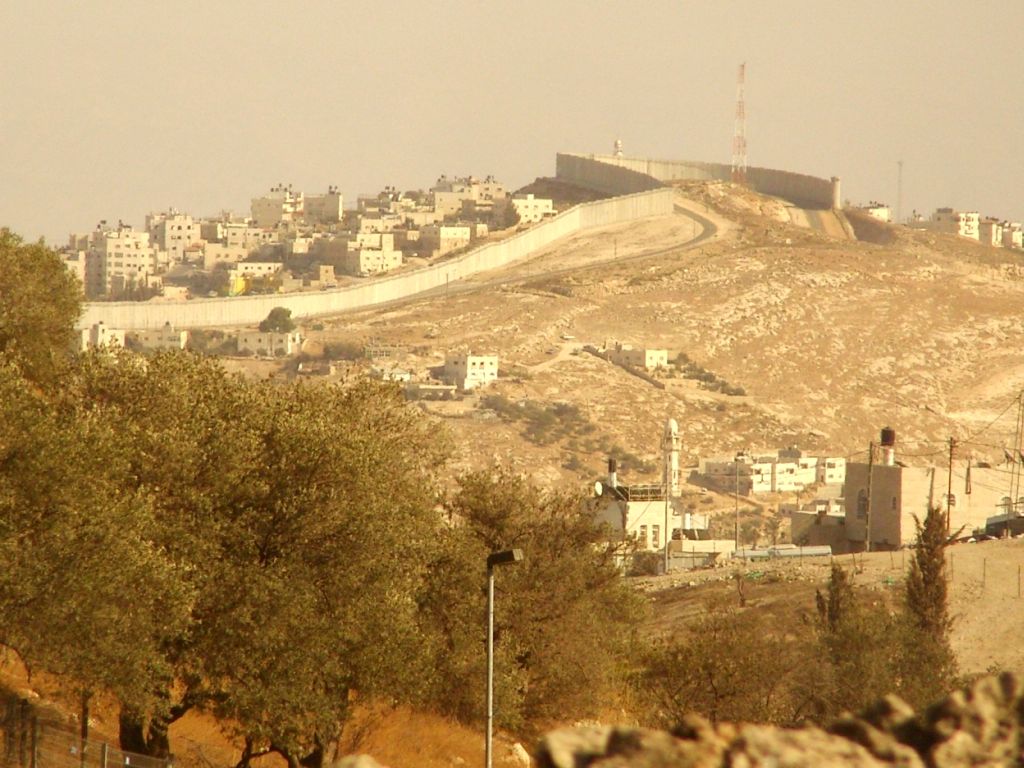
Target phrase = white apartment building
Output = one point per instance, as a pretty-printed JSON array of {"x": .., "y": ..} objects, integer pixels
[
  {"x": 370, "y": 253},
  {"x": 879, "y": 211},
  {"x": 255, "y": 269},
  {"x": 99, "y": 335},
  {"x": 281, "y": 206},
  {"x": 260, "y": 343},
  {"x": 441, "y": 239},
  {"x": 173, "y": 232},
  {"x": 963, "y": 223},
  {"x": 449, "y": 195},
  {"x": 788, "y": 471},
  {"x": 161, "y": 338},
  {"x": 533, "y": 209},
  {"x": 468, "y": 371},
  {"x": 627, "y": 355},
  {"x": 126, "y": 258}
]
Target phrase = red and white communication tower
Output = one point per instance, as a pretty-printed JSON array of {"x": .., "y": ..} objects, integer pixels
[{"x": 739, "y": 139}]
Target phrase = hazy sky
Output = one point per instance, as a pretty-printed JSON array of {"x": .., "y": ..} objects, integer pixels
[{"x": 111, "y": 109}]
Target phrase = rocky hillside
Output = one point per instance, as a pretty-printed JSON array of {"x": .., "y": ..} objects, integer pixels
[{"x": 820, "y": 341}]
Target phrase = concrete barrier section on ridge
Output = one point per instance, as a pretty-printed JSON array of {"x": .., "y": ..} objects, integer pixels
[
  {"x": 250, "y": 310},
  {"x": 608, "y": 173}
]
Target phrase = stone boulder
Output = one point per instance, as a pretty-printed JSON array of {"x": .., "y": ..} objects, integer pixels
[{"x": 982, "y": 725}]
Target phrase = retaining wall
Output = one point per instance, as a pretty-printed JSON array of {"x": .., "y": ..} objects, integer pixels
[
  {"x": 608, "y": 173},
  {"x": 249, "y": 310}
]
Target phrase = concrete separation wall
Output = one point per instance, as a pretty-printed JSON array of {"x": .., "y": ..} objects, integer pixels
[
  {"x": 249, "y": 310},
  {"x": 607, "y": 173}
]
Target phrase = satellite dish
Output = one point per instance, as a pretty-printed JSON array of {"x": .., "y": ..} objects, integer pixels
[{"x": 598, "y": 488}]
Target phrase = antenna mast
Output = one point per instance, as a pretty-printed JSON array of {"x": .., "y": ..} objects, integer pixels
[{"x": 739, "y": 139}]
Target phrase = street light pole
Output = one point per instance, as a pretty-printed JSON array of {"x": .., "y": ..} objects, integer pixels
[{"x": 506, "y": 557}]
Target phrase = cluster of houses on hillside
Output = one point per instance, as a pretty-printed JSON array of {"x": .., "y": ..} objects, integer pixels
[
  {"x": 840, "y": 506},
  {"x": 292, "y": 241},
  {"x": 989, "y": 230}
]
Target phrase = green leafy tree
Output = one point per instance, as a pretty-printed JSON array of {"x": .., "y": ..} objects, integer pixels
[
  {"x": 40, "y": 301},
  {"x": 303, "y": 515},
  {"x": 73, "y": 543},
  {"x": 279, "y": 320},
  {"x": 564, "y": 619},
  {"x": 731, "y": 665},
  {"x": 859, "y": 645}
]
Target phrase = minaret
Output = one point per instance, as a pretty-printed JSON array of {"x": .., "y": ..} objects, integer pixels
[
  {"x": 671, "y": 449},
  {"x": 618, "y": 147}
]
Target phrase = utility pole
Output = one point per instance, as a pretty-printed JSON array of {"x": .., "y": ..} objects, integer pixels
[
  {"x": 949, "y": 485},
  {"x": 867, "y": 522}
]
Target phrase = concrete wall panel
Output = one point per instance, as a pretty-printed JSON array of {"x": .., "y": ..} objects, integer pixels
[
  {"x": 249, "y": 310},
  {"x": 608, "y": 173}
]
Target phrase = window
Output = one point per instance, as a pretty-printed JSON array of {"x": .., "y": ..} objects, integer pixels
[
  {"x": 642, "y": 536},
  {"x": 655, "y": 536}
]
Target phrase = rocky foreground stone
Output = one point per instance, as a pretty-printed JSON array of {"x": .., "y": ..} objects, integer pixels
[{"x": 982, "y": 725}]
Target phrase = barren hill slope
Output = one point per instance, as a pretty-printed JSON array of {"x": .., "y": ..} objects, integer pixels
[{"x": 830, "y": 339}]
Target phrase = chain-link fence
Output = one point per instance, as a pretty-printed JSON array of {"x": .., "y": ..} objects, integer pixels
[{"x": 30, "y": 739}]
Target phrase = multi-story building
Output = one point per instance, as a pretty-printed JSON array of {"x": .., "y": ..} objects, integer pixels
[
  {"x": 1013, "y": 236},
  {"x": 126, "y": 258},
  {"x": 879, "y": 211},
  {"x": 888, "y": 496},
  {"x": 281, "y": 207},
  {"x": 990, "y": 232},
  {"x": 787, "y": 471},
  {"x": 267, "y": 343},
  {"x": 440, "y": 239},
  {"x": 98, "y": 336},
  {"x": 468, "y": 371},
  {"x": 533, "y": 209},
  {"x": 325, "y": 209},
  {"x": 963, "y": 223},
  {"x": 173, "y": 232},
  {"x": 161, "y": 338},
  {"x": 370, "y": 253},
  {"x": 450, "y": 195}
]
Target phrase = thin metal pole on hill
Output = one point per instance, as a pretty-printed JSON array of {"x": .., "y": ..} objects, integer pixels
[
  {"x": 867, "y": 522},
  {"x": 949, "y": 485}
]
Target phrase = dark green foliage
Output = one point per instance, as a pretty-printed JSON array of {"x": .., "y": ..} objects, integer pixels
[
  {"x": 930, "y": 664},
  {"x": 344, "y": 350},
  {"x": 731, "y": 665},
  {"x": 40, "y": 302},
  {"x": 564, "y": 617},
  {"x": 279, "y": 320},
  {"x": 543, "y": 424},
  {"x": 859, "y": 646}
]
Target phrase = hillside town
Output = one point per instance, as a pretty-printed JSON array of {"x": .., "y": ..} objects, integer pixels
[
  {"x": 987, "y": 230},
  {"x": 292, "y": 241}
]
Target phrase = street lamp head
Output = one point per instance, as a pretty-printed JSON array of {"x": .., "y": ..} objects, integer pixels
[{"x": 505, "y": 557}]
